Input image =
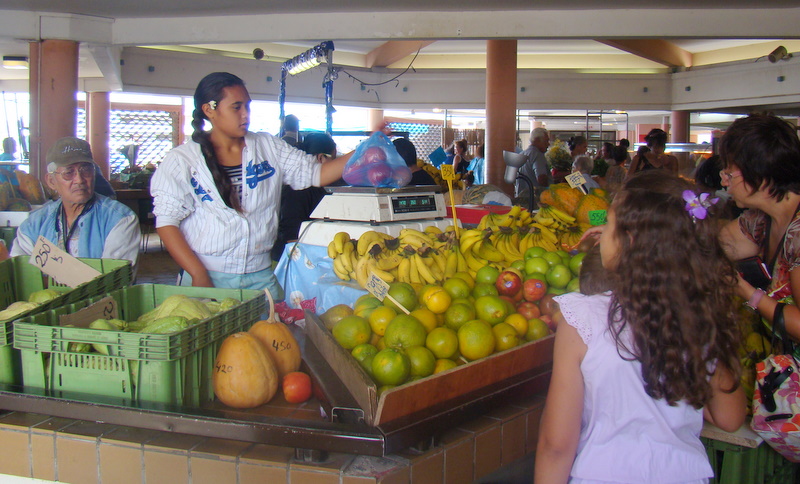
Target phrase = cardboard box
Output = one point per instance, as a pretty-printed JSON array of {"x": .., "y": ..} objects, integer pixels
[{"x": 438, "y": 390}]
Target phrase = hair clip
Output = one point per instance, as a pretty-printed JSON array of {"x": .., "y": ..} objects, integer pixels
[
  {"x": 698, "y": 205},
  {"x": 212, "y": 104}
]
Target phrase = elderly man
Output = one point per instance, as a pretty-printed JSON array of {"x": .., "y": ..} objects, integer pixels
[
  {"x": 536, "y": 166},
  {"x": 81, "y": 222}
]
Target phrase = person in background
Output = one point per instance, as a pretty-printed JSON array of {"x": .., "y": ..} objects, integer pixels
[
  {"x": 408, "y": 152},
  {"x": 616, "y": 173},
  {"x": 603, "y": 160},
  {"x": 476, "y": 166},
  {"x": 626, "y": 145},
  {"x": 583, "y": 165},
  {"x": 536, "y": 167},
  {"x": 460, "y": 161},
  {"x": 297, "y": 205},
  {"x": 656, "y": 140},
  {"x": 761, "y": 171},
  {"x": 290, "y": 131},
  {"x": 577, "y": 145},
  {"x": 9, "y": 150},
  {"x": 81, "y": 222},
  {"x": 217, "y": 197},
  {"x": 638, "y": 368}
]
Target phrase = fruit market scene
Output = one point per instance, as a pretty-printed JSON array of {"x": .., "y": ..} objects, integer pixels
[{"x": 260, "y": 242}]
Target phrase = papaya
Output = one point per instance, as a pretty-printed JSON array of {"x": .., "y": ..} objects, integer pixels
[
  {"x": 18, "y": 205},
  {"x": 587, "y": 204},
  {"x": 566, "y": 196},
  {"x": 30, "y": 188},
  {"x": 11, "y": 178},
  {"x": 6, "y": 193}
]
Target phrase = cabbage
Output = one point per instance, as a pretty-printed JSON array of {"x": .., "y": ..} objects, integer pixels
[
  {"x": 178, "y": 305},
  {"x": 41, "y": 297},
  {"x": 228, "y": 303}
]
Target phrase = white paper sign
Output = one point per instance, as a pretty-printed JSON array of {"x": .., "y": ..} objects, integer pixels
[
  {"x": 59, "y": 265},
  {"x": 576, "y": 180},
  {"x": 105, "y": 308}
]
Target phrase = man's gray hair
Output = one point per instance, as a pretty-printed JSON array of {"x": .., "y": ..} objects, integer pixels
[
  {"x": 538, "y": 133},
  {"x": 584, "y": 164}
]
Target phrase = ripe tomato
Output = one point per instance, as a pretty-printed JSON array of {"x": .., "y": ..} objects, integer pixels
[{"x": 296, "y": 387}]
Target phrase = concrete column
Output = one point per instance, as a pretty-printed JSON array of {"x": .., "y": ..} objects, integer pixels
[
  {"x": 52, "y": 84},
  {"x": 679, "y": 121},
  {"x": 501, "y": 105},
  {"x": 97, "y": 129},
  {"x": 375, "y": 119}
]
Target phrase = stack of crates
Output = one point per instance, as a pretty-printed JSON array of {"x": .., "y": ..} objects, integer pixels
[
  {"x": 174, "y": 368},
  {"x": 19, "y": 278},
  {"x": 735, "y": 464}
]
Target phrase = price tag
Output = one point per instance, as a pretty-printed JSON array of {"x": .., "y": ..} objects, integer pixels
[
  {"x": 380, "y": 289},
  {"x": 447, "y": 172},
  {"x": 597, "y": 217},
  {"x": 105, "y": 308},
  {"x": 59, "y": 265},
  {"x": 577, "y": 180}
]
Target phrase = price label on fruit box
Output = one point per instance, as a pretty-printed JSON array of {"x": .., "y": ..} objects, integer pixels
[
  {"x": 447, "y": 172},
  {"x": 105, "y": 308},
  {"x": 59, "y": 265},
  {"x": 380, "y": 289},
  {"x": 597, "y": 217},
  {"x": 577, "y": 180}
]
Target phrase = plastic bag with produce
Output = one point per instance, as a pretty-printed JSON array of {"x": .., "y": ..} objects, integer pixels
[{"x": 376, "y": 163}]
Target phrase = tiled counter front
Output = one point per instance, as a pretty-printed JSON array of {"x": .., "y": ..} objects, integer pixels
[{"x": 79, "y": 452}]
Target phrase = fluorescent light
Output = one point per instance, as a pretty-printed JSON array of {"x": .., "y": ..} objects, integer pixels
[
  {"x": 308, "y": 59},
  {"x": 15, "y": 62}
]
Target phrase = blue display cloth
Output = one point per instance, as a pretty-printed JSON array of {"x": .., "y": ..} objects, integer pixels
[{"x": 306, "y": 272}]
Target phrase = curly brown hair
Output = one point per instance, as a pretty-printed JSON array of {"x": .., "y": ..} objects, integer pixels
[{"x": 673, "y": 289}]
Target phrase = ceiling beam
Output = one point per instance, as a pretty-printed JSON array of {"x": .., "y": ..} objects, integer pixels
[
  {"x": 394, "y": 50},
  {"x": 656, "y": 50}
]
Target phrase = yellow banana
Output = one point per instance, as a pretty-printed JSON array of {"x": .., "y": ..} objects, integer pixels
[
  {"x": 339, "y": 240},
  {"x": 469, "y": 239},
  {"x": 462, "y": 262},
  {"x": 332, "y": 253},
  {"x": 547, "y": 233},
  {"x": 362, "y": 271},
  {"x": 424, "y": 271},
  {"x": 509, "y": 253},
  {"x": 413, "y": 272},
  {"x": 451, "y": 263},
  {"x": 473, "y": 264},
  {"x": 372, "y": 267},
  {"x": 404, "y": 270},
  {"x": 562, "y": 215},
  {"x": 432, "y": 229},
  {"x": 388, "y": 262},
  {"x": 339, "y": 269},
  {"x": 489, "y": 252},
  {"x": 415, "y": 241},
  {"x": 366, "y": 241},
  {"x": 440, "y": 258},
  {"x": 346, "y": 255}
]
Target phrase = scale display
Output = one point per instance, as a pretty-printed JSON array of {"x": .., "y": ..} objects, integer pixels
[
  {"x": 377, "y": 205},
  {"x": 416, "y": 204}
]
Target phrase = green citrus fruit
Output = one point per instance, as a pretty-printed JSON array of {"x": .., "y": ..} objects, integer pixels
[
  {"x": 422, "y": 360},
  {"x": 505, "y": 336},
  {"x": 484, "y": 289},
  {"x": 537, "y": 329},
  {"x": 379, "y": 318},
  {"x": 444, "y": 365},
  {"x": 491, "y": 309},
  {"x": 457, "y": 287},
  {"x": 443, "y": 342},
  {"x": 390, "y": 367},
  {"x": 404, "y": 331},
  {"x": 351, "y": 331},
  {"x": 458, "y": 314},
  {"x": 475, "y": 340},
  {"x": 404, "y": 294},
  {"x": 487, "y": 275}
]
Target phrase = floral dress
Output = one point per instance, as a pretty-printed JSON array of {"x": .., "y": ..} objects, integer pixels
[{"x": 754, "y": 225}]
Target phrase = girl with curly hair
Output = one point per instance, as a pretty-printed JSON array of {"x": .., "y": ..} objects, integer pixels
[{"x": 637, "y": 368}]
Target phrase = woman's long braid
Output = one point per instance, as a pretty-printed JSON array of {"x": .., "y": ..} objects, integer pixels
[{"x": 221, "y": 179}]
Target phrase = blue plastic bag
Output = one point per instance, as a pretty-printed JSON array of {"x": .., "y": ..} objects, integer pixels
[{"x": 376, "y": 163}]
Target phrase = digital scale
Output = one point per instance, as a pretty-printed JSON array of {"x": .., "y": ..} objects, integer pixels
[{"x": 356, "y": 210}]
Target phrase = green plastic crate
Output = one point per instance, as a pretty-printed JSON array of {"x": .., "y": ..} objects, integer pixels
[
  {"x": 18, "y": 279},
  {"x": 734, "y": 464},
  {"x": 172, "y": 368}
]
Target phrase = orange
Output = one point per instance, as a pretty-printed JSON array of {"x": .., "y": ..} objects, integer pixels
[
  {"x": 426, "y": 317},
  {"x": 379, "y": 318},
  {"x": 457, "y": 287},
  {"x": 505, "y": 337},
  {"x": 404, "y": 331},
  {"x": 437, "y": 300},
  {"x": 467, "y": 278},
  {"x": 352, "y": 331},
  {"x": 458, "y": 314},
  {"x": 475, "y": 340},
  {"x": 423, "y": 293},
  {"x": 443, "y": 365},
  {"x": 381, "y": 344},
  {"x": 390, "y": 367},
  {"x": 537, "y": 329},
  {"x": 491, "y": 309},
  {"x": 404, "y": 294},
  {"x": 422, "y": 360},
  {"x": 518, "y": 322},
  {"x": 443, "y": 342},
  {"x": 365, "y": 304}
]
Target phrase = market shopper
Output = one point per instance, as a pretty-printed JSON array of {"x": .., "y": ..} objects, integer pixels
[
  {"x": 636, "y": 369},
  {"x": 81, "y": 222},
  {"x": 760, "y": 157},
  {"x": 656, "y": 141},
  {"x": 535, "y": 168},
  {"x": 217, "y": 196},
  {"x": 460, "y": 161}
]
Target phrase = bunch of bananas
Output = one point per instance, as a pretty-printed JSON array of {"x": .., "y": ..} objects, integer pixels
[
  {"x": 516, "y": 217},
  {"x": 418, "y": 257},
  {"x": 567, "y": 230},
  {"x": 436, "y": 174}
]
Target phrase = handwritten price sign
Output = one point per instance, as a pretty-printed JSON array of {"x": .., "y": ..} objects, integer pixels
[
  {"x": 447, "y": 172},
  {"x": 380, "y": 289},
  {"x": 577, "y": 180},
  {"x": 597, "y": 217},
  {"x": 105, "y": 308},
  {"x": 59, "y": 265}
]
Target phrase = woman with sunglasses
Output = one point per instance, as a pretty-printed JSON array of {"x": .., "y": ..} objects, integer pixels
[
  {"x": 761, "y": 171},
  {"x": 81, "y": 222}
]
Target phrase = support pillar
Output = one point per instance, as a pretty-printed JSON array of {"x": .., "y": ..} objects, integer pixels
[
  {"x": 679, "y": 121},
  {"x": 97, "y": 129},
  {"x": 53, "y": 82},
  {"x": 375, "y": 119},
  {"x": 501, "y": 105}
]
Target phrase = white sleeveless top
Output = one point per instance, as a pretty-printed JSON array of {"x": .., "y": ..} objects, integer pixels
[{"x": 626, "y": 435}]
